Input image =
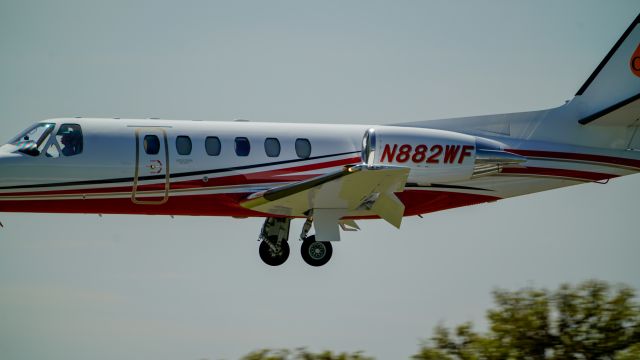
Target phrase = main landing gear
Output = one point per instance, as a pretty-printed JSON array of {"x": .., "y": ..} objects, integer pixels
[
  {"x": 274, "y": 247},
  {"x": 274, "y": 236},
  {"x": 316, "y": 253}
]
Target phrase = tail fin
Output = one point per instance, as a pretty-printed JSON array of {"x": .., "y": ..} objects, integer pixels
[
  {"x": 615, "y": 83},
  {"x": 609, "y": 97}
]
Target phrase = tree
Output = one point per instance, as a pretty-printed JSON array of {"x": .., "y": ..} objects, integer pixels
[
  {"x": 302, "y": 354},
  {"x": 588, "y": 321}
]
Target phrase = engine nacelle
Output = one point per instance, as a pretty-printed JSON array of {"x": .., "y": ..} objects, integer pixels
[{"x": 435, "y": 156}]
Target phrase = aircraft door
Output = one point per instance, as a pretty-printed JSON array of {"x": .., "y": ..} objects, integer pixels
[{"x": 151, "y": 180}]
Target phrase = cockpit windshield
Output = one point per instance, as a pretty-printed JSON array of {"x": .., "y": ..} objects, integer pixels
[
  {"x": 40, "y": 139},
  {"x": 32, "y": 140}
]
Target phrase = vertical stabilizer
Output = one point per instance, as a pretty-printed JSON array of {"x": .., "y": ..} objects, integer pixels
[{"x": 617, "y": 78}]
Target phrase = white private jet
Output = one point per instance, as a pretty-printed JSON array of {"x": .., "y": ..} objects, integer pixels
[{"x": 331, "y": 175}]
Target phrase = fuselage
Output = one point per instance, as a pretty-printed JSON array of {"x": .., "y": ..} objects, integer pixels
[
  {"x": 114, "y": 173},
  {"x": 128, "y": 166}
]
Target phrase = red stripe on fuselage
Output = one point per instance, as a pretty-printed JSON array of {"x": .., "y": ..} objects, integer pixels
[
  {"x": 268, "y": 176},
  {"x": 563, "y": 173}
]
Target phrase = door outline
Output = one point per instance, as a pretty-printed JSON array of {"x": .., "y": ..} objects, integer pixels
[{"x": 167, "y": 182}]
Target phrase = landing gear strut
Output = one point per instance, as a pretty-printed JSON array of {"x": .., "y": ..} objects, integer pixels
[
  {"x": 314, "y": 253},
  {"x": 274, "y": 248}
]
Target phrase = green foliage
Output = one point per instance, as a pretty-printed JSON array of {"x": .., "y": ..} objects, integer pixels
[
  {"x": 303, "y": 354},
  {"x": 589, "y": 321},
  {"x": 594, "y": 323},
  {"x": 632, "y": 353}
]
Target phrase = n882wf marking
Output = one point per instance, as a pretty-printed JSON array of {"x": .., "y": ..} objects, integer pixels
[{"x": 425, "y": 154}]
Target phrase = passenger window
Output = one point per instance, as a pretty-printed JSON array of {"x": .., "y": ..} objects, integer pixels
[
  {"x": 68, "y": 141},
  {"x": 243, "y": 147},
  {"x": 272, "y": 147},
  {"x": 151, "y": 144},
  {"x": 212, "y": 145},
  {"x": 303, "y": 148},
  {"x": 183, "y": 145}
]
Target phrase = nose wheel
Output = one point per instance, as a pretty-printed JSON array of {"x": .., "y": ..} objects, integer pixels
[{"x": 316, "y": 253}]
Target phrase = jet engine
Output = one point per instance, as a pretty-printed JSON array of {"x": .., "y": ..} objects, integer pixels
[{"x": 435, "y": 156}]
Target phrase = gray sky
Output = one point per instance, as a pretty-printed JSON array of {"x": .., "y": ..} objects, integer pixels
[{"x": 144, "y": 287}]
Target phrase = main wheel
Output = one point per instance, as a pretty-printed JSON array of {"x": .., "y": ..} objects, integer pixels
[
  {"x": 316, "y": 253},
  {"x": 273, "y": 254}
]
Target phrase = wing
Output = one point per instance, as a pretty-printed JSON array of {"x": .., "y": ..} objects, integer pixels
[{"x": 352, "y": 190}]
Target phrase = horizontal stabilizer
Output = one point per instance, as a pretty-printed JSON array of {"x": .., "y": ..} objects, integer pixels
[{"x": 624, "y": 113}]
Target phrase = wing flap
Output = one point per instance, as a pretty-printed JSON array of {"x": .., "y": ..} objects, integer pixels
[{"x": 389, "y": 208}]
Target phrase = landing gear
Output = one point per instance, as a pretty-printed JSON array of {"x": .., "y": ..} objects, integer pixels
[
  {"x": 316, "y": 253},
  {"x": 274, "y": 248},
  {"x": 272, "y": 253}
]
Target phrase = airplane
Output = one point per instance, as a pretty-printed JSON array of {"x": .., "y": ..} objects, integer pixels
[{"x": 329, "y": 175}]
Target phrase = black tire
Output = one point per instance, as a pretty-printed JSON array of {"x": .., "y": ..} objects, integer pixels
[
  {"x": 274, "y": 257},
  {"x": 316, "y": 253}
]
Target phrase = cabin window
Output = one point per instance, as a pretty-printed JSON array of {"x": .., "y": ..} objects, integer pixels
[
  {"x": 272, "y": 147},
  {"x": 212, "y": 145},
  {"x": 68, "y": 141},
  {"x": 303, "y": 148},
  {"x": 33, "y": 140},
  {"x": 243, "y": 147},
  {"x": 151, "y": 144},
  {"x": 183, "y": 145}
]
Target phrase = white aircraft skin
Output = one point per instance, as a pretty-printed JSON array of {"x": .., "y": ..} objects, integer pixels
[{"x": 134, "y": 166}]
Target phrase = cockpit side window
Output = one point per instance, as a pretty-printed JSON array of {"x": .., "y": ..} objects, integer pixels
[
  {"x": 33, "y": 140},
  {"x": 68, "y": 141}
]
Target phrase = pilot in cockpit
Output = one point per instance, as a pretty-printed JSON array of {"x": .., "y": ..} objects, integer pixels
[{"x": 71, "y": 141}]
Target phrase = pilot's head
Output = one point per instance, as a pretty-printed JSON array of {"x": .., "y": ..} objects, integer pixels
[{"x": 68, "y": 138}]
